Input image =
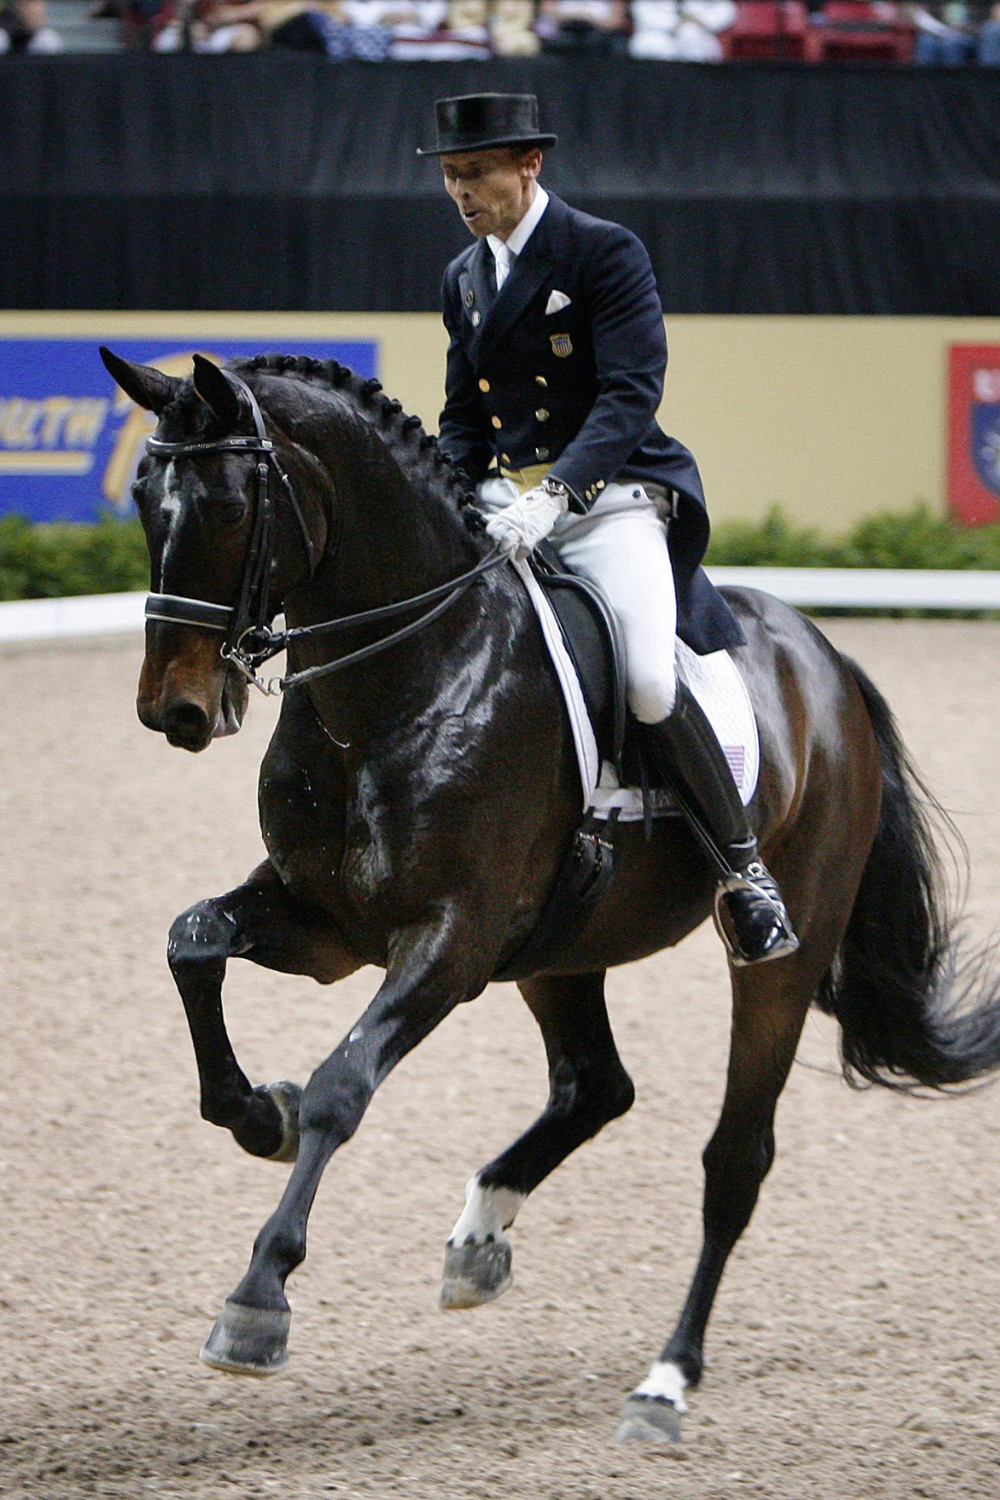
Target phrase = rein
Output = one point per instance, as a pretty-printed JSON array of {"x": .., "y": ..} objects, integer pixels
[{"x": 249, "y": 640}]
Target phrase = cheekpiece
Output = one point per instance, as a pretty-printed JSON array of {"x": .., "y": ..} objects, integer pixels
[{"x": 475, "y": 122}]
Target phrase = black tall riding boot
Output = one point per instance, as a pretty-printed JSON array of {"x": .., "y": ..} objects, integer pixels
[{"x": 749, "y": 911}]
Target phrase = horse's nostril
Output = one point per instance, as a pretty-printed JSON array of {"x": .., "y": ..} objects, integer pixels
[{"x": 186, "y": 725}]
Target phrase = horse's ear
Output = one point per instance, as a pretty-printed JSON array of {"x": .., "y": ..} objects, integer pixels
[
  {"x": 216, "y": 391},
  {"x": 149, "y": 388}
]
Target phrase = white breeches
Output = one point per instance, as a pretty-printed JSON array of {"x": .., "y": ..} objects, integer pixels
[{"x": 621, "y": 545}]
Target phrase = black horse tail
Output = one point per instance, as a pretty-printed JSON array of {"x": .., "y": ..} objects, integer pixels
[{"x": 911, "y": 1016}]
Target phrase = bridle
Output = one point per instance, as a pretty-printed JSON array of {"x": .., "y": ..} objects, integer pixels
[{"x": 249, "y": 640}]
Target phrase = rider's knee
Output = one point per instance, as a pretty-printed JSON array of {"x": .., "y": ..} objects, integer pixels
[{"x": 651, "y": 698}]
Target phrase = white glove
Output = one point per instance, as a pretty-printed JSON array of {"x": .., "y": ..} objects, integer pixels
[{"x": 521, "y": 526}]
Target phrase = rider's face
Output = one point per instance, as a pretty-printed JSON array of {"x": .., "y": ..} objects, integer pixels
[{"x": 492, "y": 189}]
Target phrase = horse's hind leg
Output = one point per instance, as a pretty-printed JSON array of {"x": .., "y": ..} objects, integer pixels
[
  {"x": 588, "y": 1086},
  {"x": 770, "y": 1005},
  {"x": 258, "y": 921}
]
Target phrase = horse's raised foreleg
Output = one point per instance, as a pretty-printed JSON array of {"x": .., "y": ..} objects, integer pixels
[
  {"x": 588, "y": 1086},
  {"x": 430, "y": 972},
  {"x": 770, "y": 1005},
  {"x": 261, "y": 922}
]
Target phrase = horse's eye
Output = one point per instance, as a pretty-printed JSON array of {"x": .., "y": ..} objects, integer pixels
[{"x": 231, "y": 510}]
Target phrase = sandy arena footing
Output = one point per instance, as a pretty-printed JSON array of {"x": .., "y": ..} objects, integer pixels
[{"x": 855, "y": 1348}]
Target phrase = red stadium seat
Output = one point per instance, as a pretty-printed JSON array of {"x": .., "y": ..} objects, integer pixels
[
  {"x": 767, "y": 29},
  {"x": 856, "y": 31}
]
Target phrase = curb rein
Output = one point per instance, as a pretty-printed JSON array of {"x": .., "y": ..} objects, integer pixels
[{"x": 249, "y": 640}]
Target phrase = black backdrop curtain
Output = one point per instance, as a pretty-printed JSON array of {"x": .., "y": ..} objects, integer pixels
[{"x": 282, "y": 181}]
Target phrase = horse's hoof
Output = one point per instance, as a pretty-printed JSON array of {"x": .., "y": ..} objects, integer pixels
[
  {"x": 474, "y": 1274},
  {"x": 287, "y": 1097},
  {"x": 248, "y": 1340},
  {"x": 649, "y": 1419}
]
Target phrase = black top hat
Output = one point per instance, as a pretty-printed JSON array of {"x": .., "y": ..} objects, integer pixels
[{"x": 475, "y": 122}]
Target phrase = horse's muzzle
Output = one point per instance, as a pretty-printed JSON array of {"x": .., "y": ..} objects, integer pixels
[
  {"x": 187, "y": 726},
  {"x": 192, "y": 698}
]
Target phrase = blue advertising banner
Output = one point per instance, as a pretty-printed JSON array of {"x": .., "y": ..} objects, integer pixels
[{"x": 70, "y": 440}]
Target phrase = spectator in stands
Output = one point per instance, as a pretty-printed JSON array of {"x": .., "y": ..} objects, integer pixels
[
  {"x": 322, "y": 26},
  {"x": 473, "y": 29},
  {"x": 412, "y": 24},
  {"x": 200, "y": 26},
  {"x": 370, "y": 30},
  {"x": 988, "y": 41},
  {"x": 141, "y": 20},
  {"x": 582, "y": 25},
  {"x": 465, "y": 33},
  {"x": 512, "y": 28},
  {"x": 23, "y": 28},
  {"x": 944, "y": 36},
  {"x": 405, "y": 30},
  {"x": 308, "y": 26},
  {"x": 685, "y": 30}
]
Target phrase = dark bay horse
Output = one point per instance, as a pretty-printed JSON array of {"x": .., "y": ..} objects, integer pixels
[{"x": 416, "y": 805}]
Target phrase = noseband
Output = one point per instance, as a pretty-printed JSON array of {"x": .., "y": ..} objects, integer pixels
[{"x": 249, "y": 639}]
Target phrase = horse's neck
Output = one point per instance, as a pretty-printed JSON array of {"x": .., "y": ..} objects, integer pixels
[{"x": 389, "y": 538}]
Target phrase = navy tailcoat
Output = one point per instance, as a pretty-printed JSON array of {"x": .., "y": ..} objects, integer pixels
[{"x": 578, "y": 388}]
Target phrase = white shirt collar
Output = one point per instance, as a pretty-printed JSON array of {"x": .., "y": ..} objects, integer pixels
[{"x": 526, "y": 228}]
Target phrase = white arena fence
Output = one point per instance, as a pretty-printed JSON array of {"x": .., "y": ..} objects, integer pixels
[{"x": 807, "y": 588}]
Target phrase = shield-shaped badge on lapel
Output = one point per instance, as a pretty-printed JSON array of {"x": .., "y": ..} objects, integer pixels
[{"x": 562, "y": 345}]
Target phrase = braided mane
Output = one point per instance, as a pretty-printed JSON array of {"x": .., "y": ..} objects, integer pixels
[{"x": 403, "y": 434}]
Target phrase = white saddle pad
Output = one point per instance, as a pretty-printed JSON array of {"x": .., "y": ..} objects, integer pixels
[{"x": 714, "y": 680}]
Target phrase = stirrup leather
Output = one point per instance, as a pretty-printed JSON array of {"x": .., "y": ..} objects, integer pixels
[{"x": 755, "y": 925}]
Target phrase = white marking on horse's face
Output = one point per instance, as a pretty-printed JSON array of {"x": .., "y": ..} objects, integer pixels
[
  {"x": 172, "y": 505},
  {"x": 488, "y": 1212},
  {"x": 665, "y": 1381}
]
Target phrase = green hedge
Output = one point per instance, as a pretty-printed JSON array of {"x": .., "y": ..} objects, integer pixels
[
  {"x": 915, "y": 538},
  {"x": 109, "y": 556},
  {"x": 47, "y": 561}
]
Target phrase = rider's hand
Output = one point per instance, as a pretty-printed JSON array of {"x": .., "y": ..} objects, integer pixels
[{"x": 528, "y": 521}]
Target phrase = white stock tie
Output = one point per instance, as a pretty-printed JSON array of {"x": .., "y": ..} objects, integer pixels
[{"x": 504, "y": 257}]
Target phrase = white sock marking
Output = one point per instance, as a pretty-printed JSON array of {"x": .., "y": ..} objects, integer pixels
[
  {"x": 488, "y": 1211},
  {"x": 665, "y": 1381}
]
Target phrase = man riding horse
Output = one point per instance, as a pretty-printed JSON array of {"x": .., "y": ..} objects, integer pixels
[{"x": 555, "y": 372}]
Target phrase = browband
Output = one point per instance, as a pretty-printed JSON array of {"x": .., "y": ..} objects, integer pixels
[{"x": 254, "y": 444}]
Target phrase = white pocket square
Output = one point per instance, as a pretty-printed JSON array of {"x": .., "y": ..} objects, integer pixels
[{"x": 557, "y": 301}]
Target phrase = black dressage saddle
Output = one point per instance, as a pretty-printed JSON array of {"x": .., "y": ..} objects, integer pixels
[
  {"x": 594, "y": 642},
  {"x": 595, "y": 645}
]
